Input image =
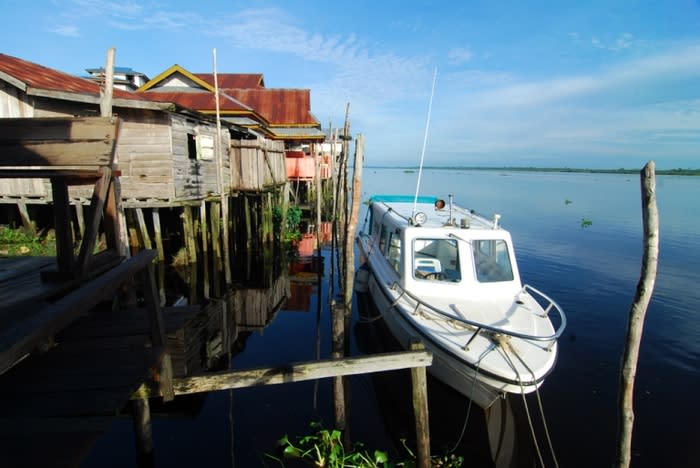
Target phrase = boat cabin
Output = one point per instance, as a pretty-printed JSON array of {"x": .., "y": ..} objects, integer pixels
[{"x": 430, "y": 245}]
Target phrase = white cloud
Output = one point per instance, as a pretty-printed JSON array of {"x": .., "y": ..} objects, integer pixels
[
  {"x": 67, "y": 30},
  {"x": 459, "y": 56}
]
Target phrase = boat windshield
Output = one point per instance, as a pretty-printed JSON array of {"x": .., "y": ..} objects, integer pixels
[
  {"x": 491, "y": 260},
  {"x": 436, "y": 260}
]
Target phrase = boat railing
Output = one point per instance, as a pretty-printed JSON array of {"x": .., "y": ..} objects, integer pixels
[{"x": 550, "y": 307}]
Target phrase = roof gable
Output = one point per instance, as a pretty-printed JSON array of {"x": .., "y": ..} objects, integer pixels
[{"x": 177, "y": 77}]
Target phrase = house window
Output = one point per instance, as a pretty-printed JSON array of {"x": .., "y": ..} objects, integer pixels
[{"x": 192, "y": 146}]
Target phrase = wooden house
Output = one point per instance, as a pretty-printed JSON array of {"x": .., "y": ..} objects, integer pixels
[
  {"x": 282, "y": 116},
  {"x": 165, "y": 152}
]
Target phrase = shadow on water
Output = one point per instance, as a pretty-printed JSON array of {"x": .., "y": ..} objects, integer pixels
[{"x": 498, "y": 437}]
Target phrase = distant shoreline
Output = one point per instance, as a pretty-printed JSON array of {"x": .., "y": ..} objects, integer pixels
[{"x": 681, "y": 172}]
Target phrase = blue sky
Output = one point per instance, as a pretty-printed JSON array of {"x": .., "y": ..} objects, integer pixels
[{"x": 598, "y": 84}]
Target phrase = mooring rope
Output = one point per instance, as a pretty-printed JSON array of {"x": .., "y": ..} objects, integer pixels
[
  {"x": 541, "y": 407},
  {"x": 527, "y": 410},
  {"x": 469, "y": 406}
]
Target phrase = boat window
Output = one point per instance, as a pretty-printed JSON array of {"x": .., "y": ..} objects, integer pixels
[
  {"x": 382, "y": 239},
  {"x": 394, "y": 252},
  {"x": 492, "y": 261},
  {"x": 436, "y": 260}
]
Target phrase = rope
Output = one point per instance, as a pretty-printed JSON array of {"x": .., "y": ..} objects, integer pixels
[
  {"x": 541, "y": 408},
  {"x": 469, "y": 406},
  {"x": 527, "y": 410}
]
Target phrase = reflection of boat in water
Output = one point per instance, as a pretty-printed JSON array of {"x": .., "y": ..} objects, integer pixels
[{"x": 455, "y": 286}]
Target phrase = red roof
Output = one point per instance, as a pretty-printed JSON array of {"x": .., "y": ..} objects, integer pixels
[
  {"x": 40, "y": 77},
  {"x": 202, "y": 101},
  {"x": 278, "y": 106},
  {"x": 234, "y": 80}
]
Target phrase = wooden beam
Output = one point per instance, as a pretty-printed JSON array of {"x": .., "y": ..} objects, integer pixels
[
  {"x": 51, "y": 141},
  {"x": 298, "y": 372}
]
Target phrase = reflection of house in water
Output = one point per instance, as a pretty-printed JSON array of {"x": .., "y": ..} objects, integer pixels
[
  {"x": 307, "y": 269},
  {"x": 207, "y": 340}
]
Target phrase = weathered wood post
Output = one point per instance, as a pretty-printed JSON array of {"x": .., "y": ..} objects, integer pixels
[
  {"x": 635, "y": 326},
  {"x": 205, "y": 245},
  {"x": 143, "y": 431},
  {"x": 351, "y": 228},
  {"x": 420, "y": 410}
]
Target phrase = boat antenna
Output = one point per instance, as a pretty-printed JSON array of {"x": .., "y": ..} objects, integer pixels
[{"x": 425, "y": 141}]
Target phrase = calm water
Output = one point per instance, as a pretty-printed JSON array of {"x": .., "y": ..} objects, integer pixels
[{"x": 592, "y": 272}]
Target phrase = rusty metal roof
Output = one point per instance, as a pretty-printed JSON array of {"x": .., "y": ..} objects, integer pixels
[
  {"x": 281, "y": 107},
  {"x": 203, "y": 101},
  {"x": 29, "y": 76},
  {"x": 234, "y": 80}
]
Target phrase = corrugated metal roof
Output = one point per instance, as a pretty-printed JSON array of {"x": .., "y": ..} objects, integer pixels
[
  {"x": 234, "y": 80},
  {"x": 29, "y": 75},
  {"x": 285, "y": 107},
  {"x": 203, "y": 101}
]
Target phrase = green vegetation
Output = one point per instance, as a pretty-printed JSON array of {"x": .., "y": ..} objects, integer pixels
[
  {"x": 585, "y": 222},
  {"x": 324, "y": 448},
  {"x": 292, "y": 221},
  {"x": 18, "y": 241}
]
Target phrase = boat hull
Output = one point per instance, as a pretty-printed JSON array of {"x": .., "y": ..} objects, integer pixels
[{"x": 464, "y": 378}]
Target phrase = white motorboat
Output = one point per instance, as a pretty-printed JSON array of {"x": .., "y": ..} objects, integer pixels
[{"x": 448, "y": 277}]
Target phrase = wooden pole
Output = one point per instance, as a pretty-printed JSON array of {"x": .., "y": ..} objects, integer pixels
[
  {"x": 27, "y": 222},
  {"x": 352, "y": 225},
  {"x": 143, "y": 431},
  {"x": 420, "y": 410},
  {"x": 205, "y": 245},
  {"x": 108, "y": 89},
  {"x": 215, "y": 219},
  {"x": 225, "y": 238},
  {"x": 645, "y": 288},
  {"x": 338, "y": 340},
  {"x": 155, "y": 216},
  {"x": 143, "y": 229}
]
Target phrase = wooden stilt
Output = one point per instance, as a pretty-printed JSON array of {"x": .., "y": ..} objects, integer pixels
[
  {"x": 189, "y": 236},
  {"x": 144, "y": 238},
  {"x": 337, "y": 352},
  {"x": 143, "y": 431},
  {"x": 225, "y": 222},
  {"x": 133, "y": 232},
  {"x": 80, "y": 216},
  {"x": 205, "y": 245},
  {"x": 27, "y": 222},
  {"x": 215, "y": 220},
  {"x": 155, "y": 216},
  {"x": 64, "y": 235}
]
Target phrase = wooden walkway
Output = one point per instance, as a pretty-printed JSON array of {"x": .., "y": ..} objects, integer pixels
[{"x": 56, "y": 402}]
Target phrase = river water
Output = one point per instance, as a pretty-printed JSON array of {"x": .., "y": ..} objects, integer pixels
[{"x": 578, "y": 238}]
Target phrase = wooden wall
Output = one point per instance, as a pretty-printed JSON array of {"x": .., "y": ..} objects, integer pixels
[
  {"x": 257, "y": 165},
  {"x": 153, "y": 154}
]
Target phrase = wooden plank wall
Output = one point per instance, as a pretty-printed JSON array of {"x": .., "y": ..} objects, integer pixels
[
  {"x": 195, "y": 178},
  {"x": 257, "y": 165},
  {"x": 144, "y": 156}
]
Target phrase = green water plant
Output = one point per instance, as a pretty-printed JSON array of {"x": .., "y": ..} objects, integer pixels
[{"x": 325, "y": 448}]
